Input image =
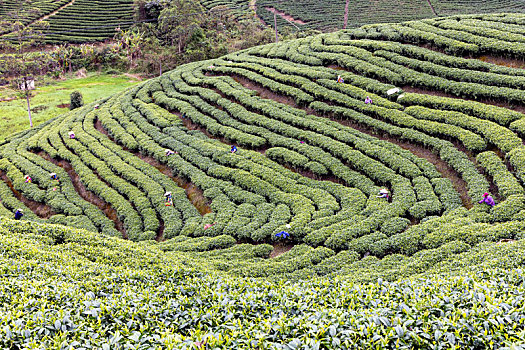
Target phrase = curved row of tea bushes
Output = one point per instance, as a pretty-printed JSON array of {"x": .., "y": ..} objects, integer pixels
[
  {"x": 395, "y": 69},
  {"x": 88, "y": 21},
  {"x": 249, "y": 195},
  {"x": 451, "y": 36},
  {"x": 225, "y": 158},
  {"x": 205, "y": 304},
  {"x": 427, "y": 56}
]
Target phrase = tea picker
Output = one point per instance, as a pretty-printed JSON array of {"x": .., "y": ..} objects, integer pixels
[
  {"x": 233, "y": 149},
  {"x": 340, "y": 79},
  {"x": 28, "y": 179},
  {"x": 487, "y": 199},
  {"x": 71, "y": 135},
  {"x": 368, "y": 100},
  {"x": 168, "y": 199},
  {"x": 18, "y": 214},
  {"x": 383, "y": 193},
  {"x": 283, "y": 234},
  {"x": 169, "y": 152},
  {"x": 53, "y": 176}
]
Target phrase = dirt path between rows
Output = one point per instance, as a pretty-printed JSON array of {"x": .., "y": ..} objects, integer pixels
[
  {"x": 41, "y": 210},
  {"x": 55, "y": 12},
  {"x": 280, "y": 248},
  {"x": 86, "y": 194},
  {"x": 503, "y": 61},
  {"x": 432, "y": 8},
  {"x": 284, "y": 16},
  {"x": 253, "y": 6}
]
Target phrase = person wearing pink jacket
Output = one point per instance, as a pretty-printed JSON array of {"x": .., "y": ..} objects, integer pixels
[{"x": 487, "y": 199}]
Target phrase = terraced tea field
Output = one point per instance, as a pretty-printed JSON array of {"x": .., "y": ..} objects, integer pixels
[
  {"x": 90, "y": 20},
  {"x": 45, "y": 7},
  {"x": 78, "y": 21},
  {"x": 328, "y": 15},
  {"x": 443, "y": 128}
]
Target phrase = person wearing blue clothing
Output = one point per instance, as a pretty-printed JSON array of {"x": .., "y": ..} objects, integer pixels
[
  {"x": 282, "y": 234},
  {"x": 18, "y": 214},
  {"x": 233, "y": 149},
  {"x": 168, "y": 199}
]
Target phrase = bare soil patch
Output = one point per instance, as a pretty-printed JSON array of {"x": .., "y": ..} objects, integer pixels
[
  {"x": 63, "y": 105},
  {"x": 86, "y": 194},
  {"x": 336, "y": 67},
  {"x": 280, "y": 248},
  {"x": 503, "y": 61},
  {"x": 41, "y": 210}
]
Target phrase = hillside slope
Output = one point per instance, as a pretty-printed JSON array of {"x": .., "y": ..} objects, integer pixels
[
  {"x": 312, "y": 155},
  {"x": 329, "y": 15},
  {"x": 432, "y": 267},
  {"x": 78, "y": 21},
  {"x": 73, "y": 289}
]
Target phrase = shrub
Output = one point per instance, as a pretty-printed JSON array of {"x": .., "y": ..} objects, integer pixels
[{"x": 76, "y": 100}]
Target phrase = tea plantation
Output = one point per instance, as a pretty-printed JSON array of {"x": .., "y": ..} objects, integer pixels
[
  {"x": 429, "y": 268},
  {"x": 328, "y": 15},
  {"x": 79, "y": 21}
]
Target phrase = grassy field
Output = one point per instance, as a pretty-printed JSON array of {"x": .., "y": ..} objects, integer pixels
[{"x": 52, "y": 99}]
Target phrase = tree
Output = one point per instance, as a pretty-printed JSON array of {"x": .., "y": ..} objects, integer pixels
[
  {"x": 24, "y": 28},
  {"x": 179, "y": 21},
  {"x": 131, "y": 42}
]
